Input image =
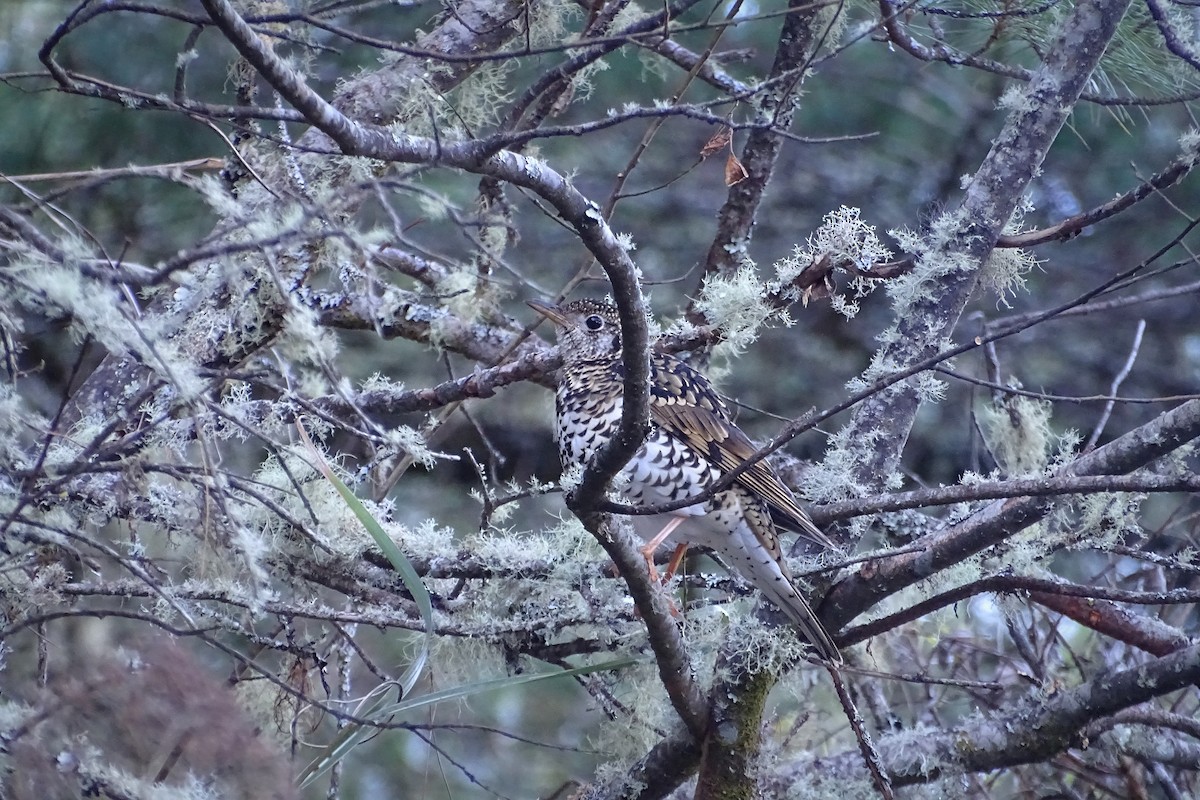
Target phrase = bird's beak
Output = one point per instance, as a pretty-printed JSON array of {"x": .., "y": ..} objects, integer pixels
[{"x": 551, "y": 312}]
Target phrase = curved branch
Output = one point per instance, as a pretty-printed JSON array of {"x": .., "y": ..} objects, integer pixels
[
  {"x": 1063, "y": 597},
  {"x": 582, "y": 215},
  {"x": 1001, "y": 519},
  {"x": 1072, "y": 226},
  {"x": 1033, "y": 730}
]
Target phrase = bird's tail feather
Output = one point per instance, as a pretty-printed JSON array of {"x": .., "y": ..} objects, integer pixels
[{"x": 797, "y": 609}]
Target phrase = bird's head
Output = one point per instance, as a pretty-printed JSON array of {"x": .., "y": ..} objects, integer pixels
[{"x": 588, "y": 330}]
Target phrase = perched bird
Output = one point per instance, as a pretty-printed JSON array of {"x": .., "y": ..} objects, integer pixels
[{"x": 692, "y": 443}]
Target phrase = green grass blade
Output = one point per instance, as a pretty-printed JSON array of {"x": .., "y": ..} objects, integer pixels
[{"x": 351, "y": 734}]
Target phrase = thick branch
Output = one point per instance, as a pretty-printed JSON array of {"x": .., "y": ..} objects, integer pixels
[
  {"x": 1003, "y": 518},
  {"x": 655, "y": 775},
  {"x": 1078, "y": 602},
  {"x": 670, "y": 652},
  {"x": 799, "y": 39},
  {"x": 1103, "y": 616},
  {"x": 951, "y": 264},
  {"x": 1036, "y": 729},
  {"x": 733, "y": 742}
]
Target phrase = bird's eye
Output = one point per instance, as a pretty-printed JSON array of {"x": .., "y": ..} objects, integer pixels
[{"x": 594, "y": 323}]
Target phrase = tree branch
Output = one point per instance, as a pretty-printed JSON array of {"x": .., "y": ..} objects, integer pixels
[
  {"x": 1001, "y": 519},
  {"x": 1037, "y": 727},
  {"x": 803, "y": 31},
  {"x": 1077, "y": 602},
  {"x": 949, "y": 267}
]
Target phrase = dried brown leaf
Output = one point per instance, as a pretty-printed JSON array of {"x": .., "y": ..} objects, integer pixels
[
  {"x": 719, "y": 141},
  {"x": 735, "y": 173}
]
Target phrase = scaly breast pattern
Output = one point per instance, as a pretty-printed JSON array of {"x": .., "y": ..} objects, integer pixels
[{"x": 663, "y": 469}]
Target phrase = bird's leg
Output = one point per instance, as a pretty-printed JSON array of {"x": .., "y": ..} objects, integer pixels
[
  {"x": 648, "y": 549},
  {"x": 676, "y": 560}
]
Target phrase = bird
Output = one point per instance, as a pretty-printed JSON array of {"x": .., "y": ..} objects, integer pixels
[{"x": 693, "y": 442}]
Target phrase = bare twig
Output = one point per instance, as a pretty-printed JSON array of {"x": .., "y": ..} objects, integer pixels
[{"x": 1116, "y": 385}]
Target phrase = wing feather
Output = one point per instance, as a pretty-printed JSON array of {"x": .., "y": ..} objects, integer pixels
[{"x": 683, "y": 403}]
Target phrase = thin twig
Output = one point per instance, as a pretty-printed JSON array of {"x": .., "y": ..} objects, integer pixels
[{"x": 1116, "y": 385}]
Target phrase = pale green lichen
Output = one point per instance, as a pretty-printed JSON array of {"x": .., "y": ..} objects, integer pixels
[
  {"x": 930, "y": 388},
  {"x": 834, "y": 478},
  {"x": 762, "y": 647},
  {"x": 1189, "y": 143},
  {"x": 304, "y": 340},
  {"x": 378, "y": 382},
  {"x": 842, "y": 236},
  {"x": 625, "y": 739},
  {"x": 1107, "y": 518},
  {"x": 571, "y": 476},
  {"x": 843, "y": 305},
  {"x": 460, "y": 291},
  {"x": 1016, "y": 99},
  {"x": 213, "y": 191},
  {"x": 434, "y": 207},
  {"x": 1017, "y": 432},
  {"x": 427, "y": 539},
  {"x": 555, "y": 557},
  {"x": 480, "y": 99},
  {"x": 936, "y": 255},
  {"x": 1003, "y": 274},
  {"x": 413, "y": 443},
  {"x": 736, "y": 306}
]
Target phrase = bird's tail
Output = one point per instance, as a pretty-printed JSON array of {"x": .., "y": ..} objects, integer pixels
[{"x": 785, "y": 596}]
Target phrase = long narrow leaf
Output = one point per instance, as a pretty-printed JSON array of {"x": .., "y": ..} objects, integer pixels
[
  {"x": 376, "y": 706},
  {"x": 469, "y": 689},
  {"x": 342, "y": 744},
  {"x": 372, "y": 708}
]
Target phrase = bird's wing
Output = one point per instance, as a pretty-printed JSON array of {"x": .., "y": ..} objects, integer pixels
[{"x": 685, "y": 404}]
